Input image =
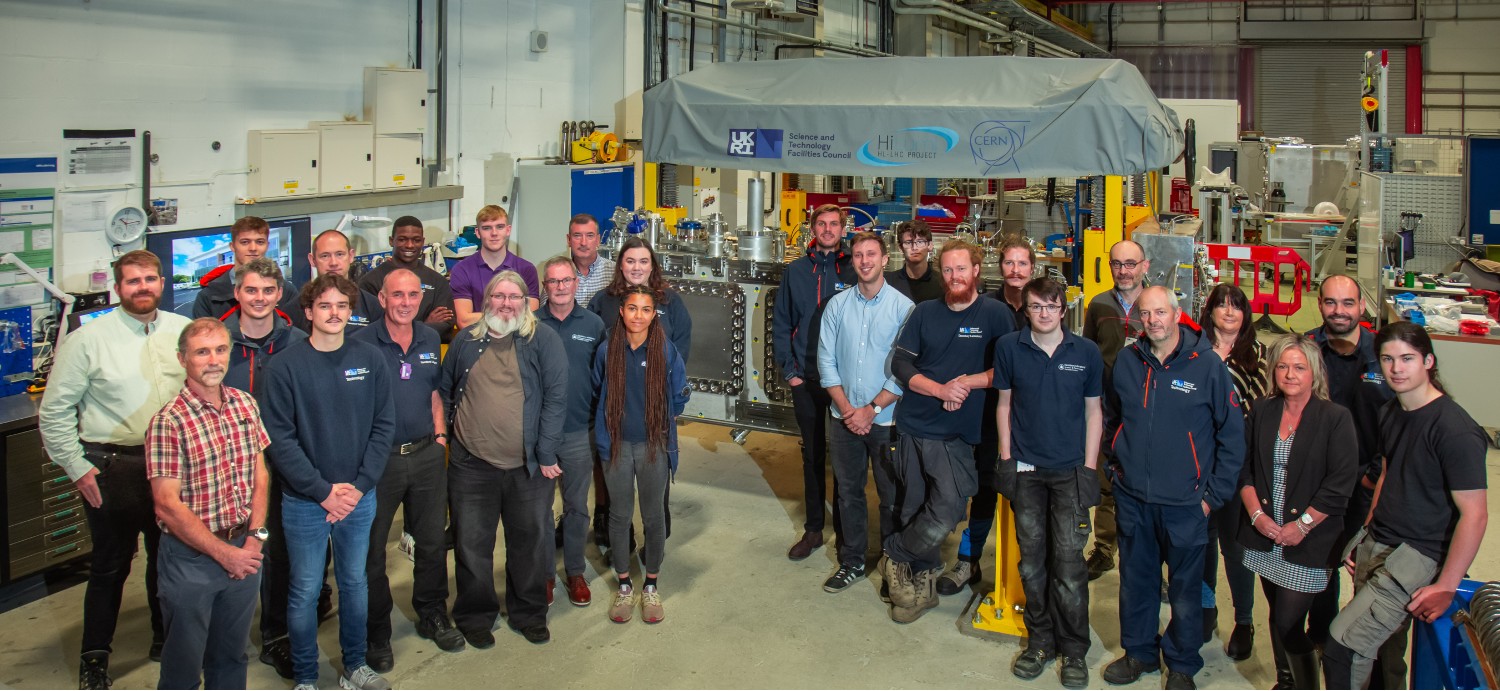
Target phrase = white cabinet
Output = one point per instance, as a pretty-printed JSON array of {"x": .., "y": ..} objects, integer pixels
[
  {"x": 347, "y": 157},
  {"x": 398, "y": 161},
  {"x": 283, "y": 163},
  {"x": 396, "y": 100}
]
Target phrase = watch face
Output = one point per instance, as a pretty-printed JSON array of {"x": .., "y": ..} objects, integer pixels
[{"x": 1307, "y": 518}]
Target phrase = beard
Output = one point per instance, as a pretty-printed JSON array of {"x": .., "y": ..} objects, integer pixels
[
  {"x": 959, "y": 296},
  {"x": 502, "y": 326},
  {"x": 1335, "y": 329},
  {"x": 129, "y": 304}
]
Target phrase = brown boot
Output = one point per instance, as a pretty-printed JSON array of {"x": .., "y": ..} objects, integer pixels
[{"x": 925, "y": 586}]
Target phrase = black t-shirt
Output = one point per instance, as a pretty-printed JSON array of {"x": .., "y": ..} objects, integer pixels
[
  {"x": 944, "y": 344},
  {"x": 1430, "y": 452},
  {"x": 260, "y": 342}
]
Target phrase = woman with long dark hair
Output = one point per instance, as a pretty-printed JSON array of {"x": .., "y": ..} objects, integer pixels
[
  {"x": 1299, "y": 471},
  {"x": 1428, "y": 517},
  {"x": 637, "y": 265},
  {"x": 642, "y": 386},
  {"x": 1226, "y": 322}
]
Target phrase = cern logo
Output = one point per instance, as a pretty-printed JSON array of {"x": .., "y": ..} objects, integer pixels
[{"x": 995, "y": 143}]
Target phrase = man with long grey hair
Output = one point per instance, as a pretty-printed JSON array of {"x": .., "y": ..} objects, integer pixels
[{"x": 504, "y": 387}]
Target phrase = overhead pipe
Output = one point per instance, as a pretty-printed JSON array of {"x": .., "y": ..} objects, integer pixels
[
  {"x": 776, "y": 54},
  {"x": 952, "y": 12},
  {"x": 763, "y": 31}
]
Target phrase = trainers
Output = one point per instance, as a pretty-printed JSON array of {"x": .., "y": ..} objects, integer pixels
[
  {"x": 278, "y": 654},
  {"x": 1100, "y": 563},
  {"x": 843, "y": 578},
  {"x": 407, "y": 546},
  {"x": 651, "y": 610},
  {"x": 363, "y": 678},
  {"x": 1073, "y": 672},
  {"x": 435, "y": 627},
  {"x": 925, "y": 586},
  {"x": 93, "y": 672},
  {"x": 1127, "y": 670},
  {"x": 898, "y": 577},
  {"x": 623, "y": 606},
  {"x": 305, "y": 687},
  {"x": 1179, "y": 680},
  {"x": 957, "y": 577},
  {"x": 1030, "y": 663}
]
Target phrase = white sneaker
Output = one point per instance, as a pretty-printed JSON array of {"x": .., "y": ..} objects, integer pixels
[
  {"x": 305, "y": 687},
  {"x": 407, "y": 546},
  {"x": 363, "y": 678}
]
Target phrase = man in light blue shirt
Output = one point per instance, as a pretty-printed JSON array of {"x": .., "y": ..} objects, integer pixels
[{"x": 857, "y": 332}]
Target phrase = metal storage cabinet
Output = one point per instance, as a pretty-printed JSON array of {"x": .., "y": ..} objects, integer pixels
[
  {"x": 346, "y": 155},
  {"x": 45, "y": 524},
  {"x": 396, "y": 100},
  {"x": 283, "y": 163},
  {"x": 398, "y": 161}
]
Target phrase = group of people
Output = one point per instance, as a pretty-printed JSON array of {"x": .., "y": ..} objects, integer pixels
[
  {"x": 265, "y": 439},
  {"x": 1180, "y": 435}
]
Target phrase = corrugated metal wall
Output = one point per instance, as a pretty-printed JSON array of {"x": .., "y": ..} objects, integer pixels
[{"x": 1312, "y": 91}]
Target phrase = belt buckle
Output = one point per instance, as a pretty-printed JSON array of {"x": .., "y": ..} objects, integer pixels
[{"x": 407, "y": 448}]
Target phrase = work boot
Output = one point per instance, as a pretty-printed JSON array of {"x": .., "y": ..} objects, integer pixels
[
  {"x": 898, "y": 577},
  {"x": 1127, "y": 670},
  {"x": 1100, "y": 563},
  {"x": 1030, "y": 663},
  {"x": 1284, "y": 678},
  {"x": 1306, "y": 673},
  {"x": 964, "y": 572},
  {"x": 93, "y": 671},
  {"x": 924, "y": 583},
  {"x": 278, "y": 654}
]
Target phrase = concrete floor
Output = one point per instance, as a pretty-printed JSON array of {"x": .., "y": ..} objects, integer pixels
[{"x": 739, "y": 614}]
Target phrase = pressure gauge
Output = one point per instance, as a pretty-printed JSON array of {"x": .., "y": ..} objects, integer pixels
[{"x": 127, "y": 226}]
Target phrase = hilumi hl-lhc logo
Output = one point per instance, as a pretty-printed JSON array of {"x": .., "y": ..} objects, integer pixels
[{"x": 755, "y": 143}]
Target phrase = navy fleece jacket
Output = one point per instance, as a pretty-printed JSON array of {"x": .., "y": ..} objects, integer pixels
[{"x": 805, "y": 284}]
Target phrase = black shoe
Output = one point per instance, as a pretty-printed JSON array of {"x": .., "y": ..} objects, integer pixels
[
  {"x": 93, "y": 672},
  {"x": 1073, "y": 672},
  {"x": 1241, "y": 642},
  {"x": 155, "y": 651},
  {"x": 1127, "y": 670},
  {"x": 843, "y": 578},
  {"x": 1099, "y": 564},
  {"x": 435, "y": 627},
  {"x": 1030, "y": 663},
  {"x": 278, "y": 654},
  {"x": 379, "y": 657},
  {"x": 535, "y": 634},
  {"x": 1210, "y": 622},
  {"x": 1178, "y": 680},
  {"x": 480, "y": 639}
]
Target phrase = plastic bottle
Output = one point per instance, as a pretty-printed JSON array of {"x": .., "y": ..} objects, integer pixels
[{"x": 98, "y": 278}]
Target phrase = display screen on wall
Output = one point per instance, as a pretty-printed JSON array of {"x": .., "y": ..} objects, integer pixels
[{"x": 188, "y": 256}]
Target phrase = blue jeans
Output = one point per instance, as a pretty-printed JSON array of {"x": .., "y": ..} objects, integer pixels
[{"x": 307, "y": 533}]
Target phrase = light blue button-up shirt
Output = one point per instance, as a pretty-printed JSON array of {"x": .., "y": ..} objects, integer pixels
[{"x": 855, "y": 342}]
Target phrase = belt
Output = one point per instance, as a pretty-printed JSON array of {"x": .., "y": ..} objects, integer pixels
[
  {"x": 121, "y": 449},
  {"x": 411, "y": 447},
  {"x": 232, "y": 532}
]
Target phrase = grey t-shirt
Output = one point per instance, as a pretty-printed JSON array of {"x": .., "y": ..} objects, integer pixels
[{"x": 489, "y": 416}]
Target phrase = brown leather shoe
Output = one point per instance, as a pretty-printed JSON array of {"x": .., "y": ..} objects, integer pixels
[
  {"x": 804, "y": 548},
  {"x": 578, "y": 591}
]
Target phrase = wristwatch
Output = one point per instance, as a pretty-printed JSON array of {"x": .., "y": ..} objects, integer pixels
[
  {"x": 877, "y": 408},
  {"x": 1306, "y": 520},
  {"x": 261, "y": 534}
]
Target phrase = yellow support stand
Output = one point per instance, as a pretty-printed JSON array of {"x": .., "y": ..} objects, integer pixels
[
  {"x": 1000, "y": 611},
  {"x": 1095, "y": 273}
]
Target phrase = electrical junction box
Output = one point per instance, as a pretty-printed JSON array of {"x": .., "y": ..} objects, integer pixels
[
  {"x": 396, "y": 100},
  {"x": 283, "y": 163},
  {"x": 347, "y": 156},
  {"x": 398, "y": 161}
]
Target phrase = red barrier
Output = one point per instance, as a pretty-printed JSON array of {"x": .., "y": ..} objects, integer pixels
[{"x": 1279, "y": 259}]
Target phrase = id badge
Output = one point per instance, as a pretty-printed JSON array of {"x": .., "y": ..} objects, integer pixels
[{"x": 406, "y": 370}]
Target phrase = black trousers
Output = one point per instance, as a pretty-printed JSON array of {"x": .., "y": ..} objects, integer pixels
[
  {"x": 126, "y": 514},
  {"x": 1052, "y": 528},
  {"x": 419, "y": 481},
  {"x": 481, "y": 496},
  {"x": 810, "y": 404}
]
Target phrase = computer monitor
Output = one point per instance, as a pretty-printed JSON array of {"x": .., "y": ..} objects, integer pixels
[
  {"x": 81, "y": 317},
  {"x": 188, "y": 255}
]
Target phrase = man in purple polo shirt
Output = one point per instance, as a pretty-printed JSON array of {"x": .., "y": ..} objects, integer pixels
[{"x": 470, "y": 276}]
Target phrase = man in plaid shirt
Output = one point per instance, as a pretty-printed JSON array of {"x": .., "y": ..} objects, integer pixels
[{"x": 204, "y": 456}]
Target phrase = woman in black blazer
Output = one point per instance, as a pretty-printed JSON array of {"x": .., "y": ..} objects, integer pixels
[{"x": 1299, "y": 472}]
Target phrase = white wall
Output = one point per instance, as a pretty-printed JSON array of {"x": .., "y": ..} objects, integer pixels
[{"x": 198, "y": 72}]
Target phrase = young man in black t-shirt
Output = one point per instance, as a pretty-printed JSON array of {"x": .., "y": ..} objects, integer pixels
[
  {"x": 1429, "y": 512},
  {"x": 943, "y": 360}
]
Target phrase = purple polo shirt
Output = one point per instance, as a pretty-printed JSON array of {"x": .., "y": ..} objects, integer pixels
[{"x": 470, "y": 275}]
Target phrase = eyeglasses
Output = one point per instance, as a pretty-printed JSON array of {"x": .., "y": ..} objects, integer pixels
[
  {"x": 1043, "y": 309},
  {"x": 1128, "y": 266},
  {"x": 508, "y": 298},
  {"x": 553, "y": 282},
  {"x": 915, "y": 243}
]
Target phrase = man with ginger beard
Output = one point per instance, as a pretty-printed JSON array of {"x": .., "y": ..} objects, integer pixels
[
  {"x": 111, "y": 376},
  {"x": 943, "y": 360}
]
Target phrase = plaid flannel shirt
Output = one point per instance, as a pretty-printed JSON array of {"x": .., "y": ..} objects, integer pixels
[{"x": 212, "y": 451}]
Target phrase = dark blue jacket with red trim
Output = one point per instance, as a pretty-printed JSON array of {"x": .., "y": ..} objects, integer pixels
[
  {"x": 806, "y": 284},
  {"x": 1174, "y": 432},
  {"x": 248, "y": 359}
]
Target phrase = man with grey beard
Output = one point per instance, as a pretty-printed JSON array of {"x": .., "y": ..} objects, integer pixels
[{"x": 504, "y": 387}]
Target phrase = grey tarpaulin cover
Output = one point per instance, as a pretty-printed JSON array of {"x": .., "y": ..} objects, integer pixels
[{"x": 914, "y": 117}]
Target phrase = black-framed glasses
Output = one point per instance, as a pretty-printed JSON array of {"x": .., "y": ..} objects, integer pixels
[
  {"x": 1043, "y": 309},
  {"x": 915, "y": 243},
  {"x": 1128, "y": 266},
  {"x": 552, "y": 282}
]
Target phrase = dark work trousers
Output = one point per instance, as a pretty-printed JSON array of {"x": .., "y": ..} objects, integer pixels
[
  {"x": 934, "y": 480},
  {"x": 1052, "y": 528},
  {"x": 634, "y": 472},
  {"x": 276, "y": 571},
  {"x": 810, "y": 403},
  {"x": 578, "y": 459},
  {"x": 127, "y": 513},
  {"x": 208, "y": 617},
  {"x": 419, "y": 482},
  {"x": 856, "y": 457},
  {"x": 482, "y": 496},
  {"x": 1223, "y": 529},
  {"x": 982, "y": 506},
  {"x": 1104, "y": 514},
  {"x": 1152, "y": 535}
]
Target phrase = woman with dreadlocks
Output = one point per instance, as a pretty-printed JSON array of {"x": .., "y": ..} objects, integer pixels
[{"x": 642, "y": 386}]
